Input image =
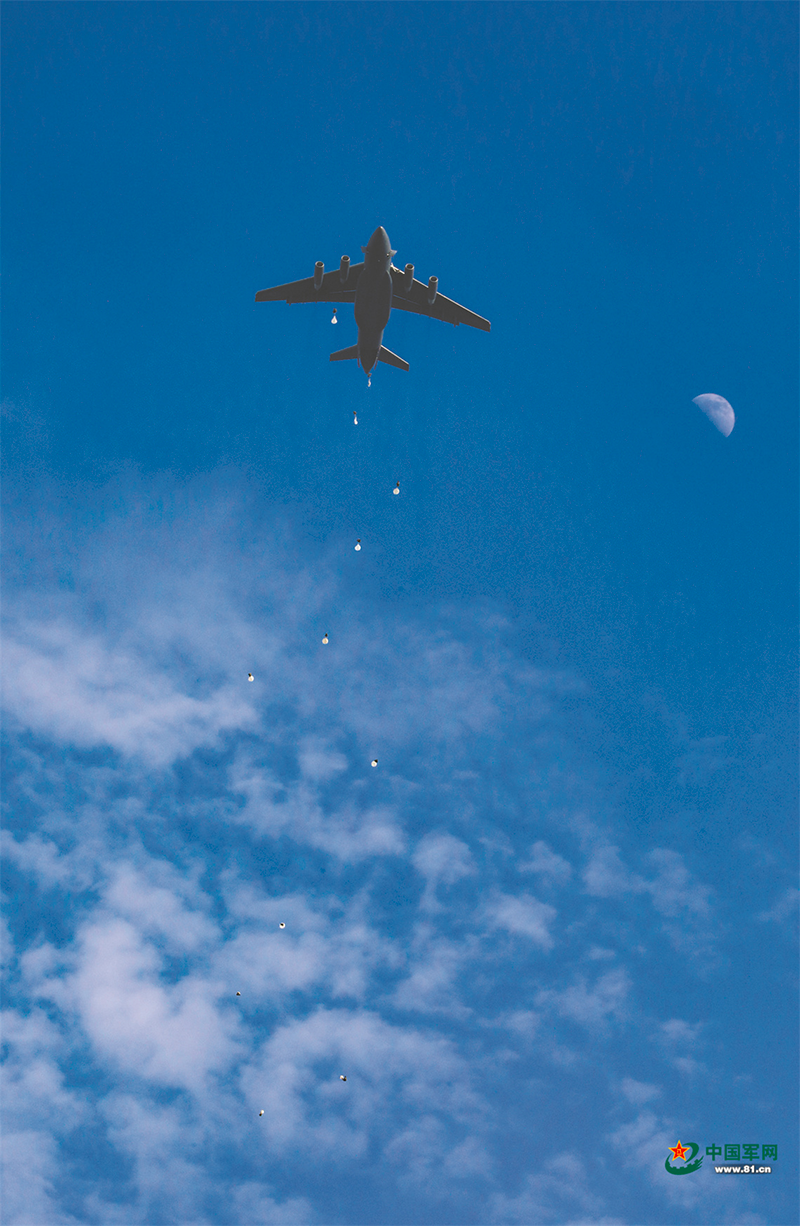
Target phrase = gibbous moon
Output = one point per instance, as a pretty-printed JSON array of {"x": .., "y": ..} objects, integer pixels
[{"x": 717, "y": 410}]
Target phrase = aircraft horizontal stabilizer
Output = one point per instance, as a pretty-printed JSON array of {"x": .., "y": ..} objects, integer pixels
[
  {"x": 391, "y": 359},
  {"x": 343, "y": 355}
]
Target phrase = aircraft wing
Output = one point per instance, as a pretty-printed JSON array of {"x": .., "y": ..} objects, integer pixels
[
  {"x": 416, "y": 300},
  {"x": 331, "y": 290}
]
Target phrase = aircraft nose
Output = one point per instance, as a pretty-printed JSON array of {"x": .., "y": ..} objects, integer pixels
[{"x": 380, "y": 240}]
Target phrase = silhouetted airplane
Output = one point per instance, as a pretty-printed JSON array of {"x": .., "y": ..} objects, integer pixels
[{"x": 375, "y": 286}]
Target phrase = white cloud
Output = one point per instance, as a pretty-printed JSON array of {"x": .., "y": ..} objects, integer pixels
[
  {"x": 254, "y": 1205},
  {"x": 558, "y": 1192},
  {"x": 34, "y": 1090},
  {"x": 638, "y": 1092},
  {"x": 678, "y": 1033},
  {"x": 328, "y": 945},
  {"x": 440, "y": 857},
  {"x": 351, "y": 832},
  {"x": 161, "y": 908},
  {"x": 436, "y": 963},
  {"x": 31, "y": 1169},
  {"x": 673, "y": 891},
  {"x": 170, "y": 1034},
  {"x": 546, "y": 863},
  {"x": 38, "y": 1109},
  {"x": 523, "y": 915},
  {"x": 607, "y": 877},
  {"x": 159, "y": 1141},
  {"x": 681, "y": 1041},
  {"x": 590, "y": 1007},
  {"x": 318, "y": 761},
  {"x": 785, "y": 908},
  {"x": 61, "y": 682},
  {"x": 393, "y": 1074},
  {"x": 643, "y": 1144},
  {"x": 442, "y": 860},
  {"x": 596, "y": 953},
  {"x": 142, "y": 978},
  {"x": 683, "y": 902},
  {"x": 43, "y": 859}
]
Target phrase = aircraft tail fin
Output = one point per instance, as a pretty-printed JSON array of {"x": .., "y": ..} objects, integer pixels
[
  {"x": 391, "y": 359},
  {"x": 343, "y": 355}
]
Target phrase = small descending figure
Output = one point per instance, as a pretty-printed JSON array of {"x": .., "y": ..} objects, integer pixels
[
  {"x": 238, "y": 993},
  {"x": 260, "y": 1114},
  {"x": 357, "y": 545},
  {"x": 342, "y": 1077},
  {"x": 325, "y": 638},
  {"x": 355, "y": 419},
  {"x": 334, "y": 320},
  {"x": 396, "y": 489},
  {"x": 281, "y": 924},
  {"x": 374, "y": 762},
  {"x": 250, "y": 677}
]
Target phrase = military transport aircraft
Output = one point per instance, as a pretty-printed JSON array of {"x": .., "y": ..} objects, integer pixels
[{"x": 375, "y": 286}]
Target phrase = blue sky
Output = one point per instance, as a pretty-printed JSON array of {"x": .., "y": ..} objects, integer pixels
[{"x": 554, "y": 931}]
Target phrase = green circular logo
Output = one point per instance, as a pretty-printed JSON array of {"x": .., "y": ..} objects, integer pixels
[{"x": 679, "y": 1153}]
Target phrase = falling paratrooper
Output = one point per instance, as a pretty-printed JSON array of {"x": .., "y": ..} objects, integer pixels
[
  {"x": 250, "y": 677},
  {"x": 281, "y": 924},
  {"x": 374, "y": 762},
  {"x": 358, "y": 545},
  {"x": 260, "y": 1114},
  {"x": 342, "y": 1077},
  {"x": 325, "y": 637},
  {"x": 355, "y": 418},
  {"x": 396, "y": 489}
]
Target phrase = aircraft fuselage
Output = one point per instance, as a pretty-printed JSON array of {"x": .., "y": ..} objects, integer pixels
[
  {"x": 373, "y": 303},
  {"x": 375, "y": 288}
]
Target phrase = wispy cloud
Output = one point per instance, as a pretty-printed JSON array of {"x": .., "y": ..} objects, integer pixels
[
  {"x": 168, "y": 815},
  {"x": 546, "y": 863}
]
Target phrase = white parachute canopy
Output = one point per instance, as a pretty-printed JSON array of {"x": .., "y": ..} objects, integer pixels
[{"x": 717, "y": 410}]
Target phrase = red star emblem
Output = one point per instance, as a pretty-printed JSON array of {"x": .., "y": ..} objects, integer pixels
[{"x": 678, "y": 1151}]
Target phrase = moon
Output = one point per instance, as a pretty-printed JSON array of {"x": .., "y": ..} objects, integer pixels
[{"x": 717, "y": 410}]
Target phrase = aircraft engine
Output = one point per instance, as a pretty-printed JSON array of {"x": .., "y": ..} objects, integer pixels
[
  {"x": 344, "y": 268},
  {"x": 319, "y": 269},
  {"x": 433, "y": 288},
  {"x": 408, "y": 279}
]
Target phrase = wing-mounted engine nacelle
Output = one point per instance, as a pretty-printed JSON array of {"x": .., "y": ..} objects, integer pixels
[
  {"x": 433, "y": 289},
  {"x": 344, "y": 268},
  {"x": 408, "y": 278},
  {"x": 319, "y": 271}
]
